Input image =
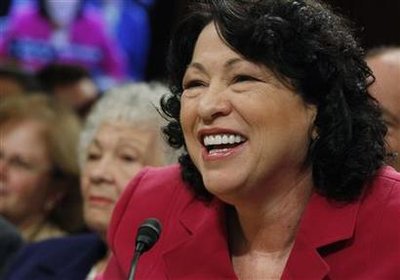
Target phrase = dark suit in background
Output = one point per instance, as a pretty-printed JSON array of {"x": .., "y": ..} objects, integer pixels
[
  {"x": 10, "y": 242},
  {"x": 59, "y": 258}
]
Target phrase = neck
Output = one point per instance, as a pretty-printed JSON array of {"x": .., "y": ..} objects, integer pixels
[
  {"x": 29, "y": 222},
  {"x": 268, "y": 227},
  {"x": 31, "y": 232}
]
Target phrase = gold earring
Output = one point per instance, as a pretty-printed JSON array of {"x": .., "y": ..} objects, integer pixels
[{"x": 314, "y": 134}]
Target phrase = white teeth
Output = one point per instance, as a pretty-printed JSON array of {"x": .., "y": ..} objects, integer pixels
[
  {"x": 217, "y": 151},
  {"x": 219, "y": 139}
]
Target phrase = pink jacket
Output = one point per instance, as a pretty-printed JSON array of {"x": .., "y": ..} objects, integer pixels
[{"x": 356, "y": 241}]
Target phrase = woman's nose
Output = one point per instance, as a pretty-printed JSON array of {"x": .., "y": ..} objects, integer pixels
[
  {"x": 214, "y": 103},
  {"x": 100, "y": 171}
]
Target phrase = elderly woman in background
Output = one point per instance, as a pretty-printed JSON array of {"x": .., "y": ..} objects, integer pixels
[
  {"x": 120, "y": 137},
  {"x": 39, "y": 172},
  {"x": 283, "y": 173}
]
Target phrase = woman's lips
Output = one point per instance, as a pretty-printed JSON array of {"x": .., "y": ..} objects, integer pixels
[
  {"x": 221, "y": 153},
  {"x": 100, "y": 200}
]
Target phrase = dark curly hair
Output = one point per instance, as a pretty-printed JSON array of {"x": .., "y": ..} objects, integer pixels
[{"x": 304, "y": 43}]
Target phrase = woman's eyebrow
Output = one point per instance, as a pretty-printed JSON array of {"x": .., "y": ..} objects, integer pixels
[
  {"x": 228, "y": 64},
  {"x": 197, "y": 66}
]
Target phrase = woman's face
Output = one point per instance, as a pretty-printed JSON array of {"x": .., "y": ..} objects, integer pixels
[
  {"x": 116, "y": 154},
  {"x": 245, "y": 131},
  {"x": 24, "y": 172}
]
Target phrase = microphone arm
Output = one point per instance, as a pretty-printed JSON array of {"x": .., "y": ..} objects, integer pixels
[
  {"x": 133, "y": 265},
  {"x": 147, "y": 235}
]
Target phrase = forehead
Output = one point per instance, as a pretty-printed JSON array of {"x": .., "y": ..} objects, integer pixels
[
  {"x": 209, "y": 43},
  {"x": 126, "y": 132},
  {"x": 24, "y": 128},
  {"x": 24, "y": 137}
]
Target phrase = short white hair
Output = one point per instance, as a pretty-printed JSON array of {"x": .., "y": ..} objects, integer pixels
[{"x": 136, "y": 103}]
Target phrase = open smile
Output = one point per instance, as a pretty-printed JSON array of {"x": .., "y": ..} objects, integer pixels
[{"x": 218, "y": 146}]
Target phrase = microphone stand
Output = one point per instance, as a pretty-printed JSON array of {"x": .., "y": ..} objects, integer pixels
[
  {"x": 136, "y": 256},
  {"x": 147, "y": 235}
]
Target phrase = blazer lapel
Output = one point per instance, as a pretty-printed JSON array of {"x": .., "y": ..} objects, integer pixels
[
  {"x": 201, "y": 250},
  {"x": 323, "y": 224}
]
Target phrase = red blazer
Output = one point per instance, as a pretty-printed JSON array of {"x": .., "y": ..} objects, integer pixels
[{"x": 355, "y": 241}]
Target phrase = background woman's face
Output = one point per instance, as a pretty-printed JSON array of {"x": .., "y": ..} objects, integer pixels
[
  {"x": 24, "y": 171},
  {"x": 243, "y": 128},
  {"x": 116, "y": 154}
]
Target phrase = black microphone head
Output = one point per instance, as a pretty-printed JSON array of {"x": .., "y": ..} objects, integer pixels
[{"x": 147, "y": 235}]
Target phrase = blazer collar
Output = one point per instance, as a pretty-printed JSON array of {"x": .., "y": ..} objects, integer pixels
[
  {"x": 202, "y": 251},
  {"x": 324, "y": 223}
]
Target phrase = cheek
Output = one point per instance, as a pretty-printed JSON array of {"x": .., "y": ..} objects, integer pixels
[
  {"x": 187, "y": 115},
  {"x": 297, "y": 129},
  {"x": 27, "y": 195},
  {"x": 26, "y": 187},
  {"x": 84, "y": 182},
  {"x": 188, "y": 126}
]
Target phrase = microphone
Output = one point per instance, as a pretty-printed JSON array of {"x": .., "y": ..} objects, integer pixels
[{"x": 147, "y": 235}]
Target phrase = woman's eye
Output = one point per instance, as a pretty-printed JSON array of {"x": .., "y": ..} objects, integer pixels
[
  {"x": 243, "y": 78},
  {"x": 193, "y": 84},
  {"x": 93, "y": 156},
  {"x": 128, "y": 158}
]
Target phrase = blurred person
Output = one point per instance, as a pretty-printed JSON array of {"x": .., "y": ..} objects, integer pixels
[
  {"x": 5, "y": 7},
  {"x": 71, "y": 84},
  {"x": 39, "y": 174},
  {"x": 282, "y": 174},
  {"x": 14, "y": 81},
  {"x": 385, "y": 64},
  {"x": 120, "y": 137},
  {"x": 128, "y": 23},
  {"x": 66, "y": 32},
  {"x": 10, "y": 242}
]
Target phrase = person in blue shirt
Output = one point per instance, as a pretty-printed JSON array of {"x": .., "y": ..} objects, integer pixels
[{"x": 128, "y": 22}]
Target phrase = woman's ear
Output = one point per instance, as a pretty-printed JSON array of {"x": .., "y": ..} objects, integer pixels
[
  {"x": 314, "y": 133},
  {"x": 313, "y": 128}
]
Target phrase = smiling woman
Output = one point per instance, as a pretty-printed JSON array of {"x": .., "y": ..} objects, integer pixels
[
  {"x": 282, "y": 173},
  {"x": 230, "y": 96}
]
